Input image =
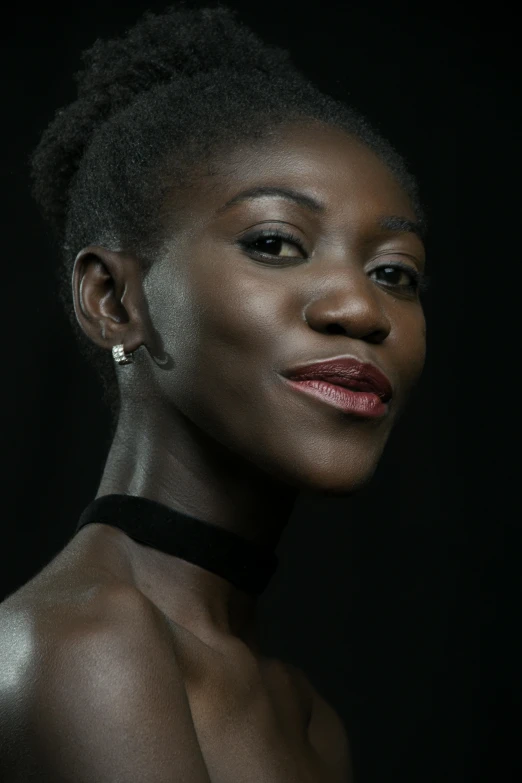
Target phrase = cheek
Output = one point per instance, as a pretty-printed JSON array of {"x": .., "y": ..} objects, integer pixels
[
  {"x": 220, "y": 320},
  {"x": 224, "y": 340},
  {"x": 236, "y": 305},
  {"x": 409, "y": 348}
]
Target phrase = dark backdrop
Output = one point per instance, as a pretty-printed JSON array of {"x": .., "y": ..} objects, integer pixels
[{"x": 401, "y": 603}]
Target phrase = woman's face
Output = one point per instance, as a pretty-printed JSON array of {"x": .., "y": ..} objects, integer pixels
[{"x": 236, "y": 309}]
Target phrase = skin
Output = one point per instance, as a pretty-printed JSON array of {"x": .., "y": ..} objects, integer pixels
[
  {"x": 208, "y": 426},
  {"x": 214, "y": 432}
]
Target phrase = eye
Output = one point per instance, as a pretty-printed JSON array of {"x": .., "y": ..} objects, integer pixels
[
  {"x": 273, "y": 244},
  {"x": 400, "y": 276}
]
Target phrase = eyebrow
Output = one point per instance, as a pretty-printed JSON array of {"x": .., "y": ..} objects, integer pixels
[
  {"x": 266, "y": 190},
  {"x": 403, "y": 225},
  {"x": 393, "y": 223}
]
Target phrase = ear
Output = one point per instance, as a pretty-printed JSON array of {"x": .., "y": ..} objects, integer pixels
[{"x": 108, "y": 297}]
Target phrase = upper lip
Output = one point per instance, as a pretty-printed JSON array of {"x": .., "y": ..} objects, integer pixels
[{"x": 345, "y": 371}]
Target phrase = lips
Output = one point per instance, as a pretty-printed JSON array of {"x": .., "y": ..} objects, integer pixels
[{"x": 345, "y": 371}]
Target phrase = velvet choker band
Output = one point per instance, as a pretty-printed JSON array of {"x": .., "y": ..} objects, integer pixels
[{"x": 244, "y": 563}]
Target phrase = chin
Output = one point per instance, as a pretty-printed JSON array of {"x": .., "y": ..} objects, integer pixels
[
  {"x": 341, "y": 486},
  {"x": 331, "y": 480}
]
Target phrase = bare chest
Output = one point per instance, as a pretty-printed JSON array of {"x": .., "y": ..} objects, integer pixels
[
  {"x": 251, "y": 716},
  {"x": 251, "y": 721}
]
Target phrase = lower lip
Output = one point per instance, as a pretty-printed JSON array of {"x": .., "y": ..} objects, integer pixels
[{"x": 364, "y": 404}]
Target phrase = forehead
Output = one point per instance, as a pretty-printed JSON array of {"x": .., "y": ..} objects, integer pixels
[{"x": 320, "y": 161}]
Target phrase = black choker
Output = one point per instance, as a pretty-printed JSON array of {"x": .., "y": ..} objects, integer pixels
[{"x": 244, "y": 563}]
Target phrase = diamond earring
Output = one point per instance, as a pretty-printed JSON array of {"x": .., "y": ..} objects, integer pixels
[{"x": 119, "y": 355}]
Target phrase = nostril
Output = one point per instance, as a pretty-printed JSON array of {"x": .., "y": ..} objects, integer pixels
[{"x": 335, "y": 329}]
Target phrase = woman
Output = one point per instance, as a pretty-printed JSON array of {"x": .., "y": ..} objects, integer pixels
[{"x": 242, "y": 261}]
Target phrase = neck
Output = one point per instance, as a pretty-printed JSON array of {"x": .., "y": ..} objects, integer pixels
[{"x": 171, "y": 461}]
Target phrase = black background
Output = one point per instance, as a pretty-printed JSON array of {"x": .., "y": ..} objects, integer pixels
[{"x": 401, "y": 603}]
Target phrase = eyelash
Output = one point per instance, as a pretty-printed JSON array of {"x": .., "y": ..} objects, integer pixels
[{"x": 420, "y": 282}]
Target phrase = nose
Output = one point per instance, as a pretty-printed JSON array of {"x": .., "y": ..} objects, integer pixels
[{"x": 351, "y": 306}]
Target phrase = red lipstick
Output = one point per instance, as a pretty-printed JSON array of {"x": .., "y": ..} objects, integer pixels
[{"x": 346, "y": 383}]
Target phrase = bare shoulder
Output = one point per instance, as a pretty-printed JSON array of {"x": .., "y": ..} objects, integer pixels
[
  {"x": 90, "y": 690},
  {"x": 326, "y": 731}
]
